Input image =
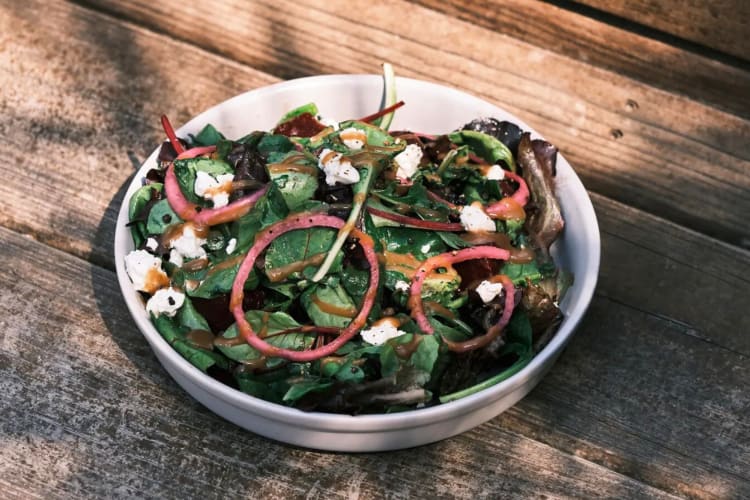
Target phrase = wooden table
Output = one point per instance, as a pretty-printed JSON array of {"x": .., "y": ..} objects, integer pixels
[{"x": 650, "y": 101}]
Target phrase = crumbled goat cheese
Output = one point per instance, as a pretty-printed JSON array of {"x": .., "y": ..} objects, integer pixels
[
  {"x": 337, "y": 168},
  {"x": 328, "y": 122},
  {"x": 152, "y": 244},
  {"x": 353, "y": 138},
  {"x": 403, "y": 286},
  {"x": 380, "y": 333},
  {"x": 488, "y": 290},
  {"x": 408, "y": 161},
  {"x": 212, "y": 188},
  {"x": 495, "y": 173},
  {"x": 474, "y": 219},
  {"x": 145, "y": 271},
  {"x": 166, "y": 301},
  {"x": 188, "y": 245},
  {"x": 232, "y": 245}
]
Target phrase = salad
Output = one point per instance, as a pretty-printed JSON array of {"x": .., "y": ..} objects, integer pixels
[{"x": 342, "y": 267}]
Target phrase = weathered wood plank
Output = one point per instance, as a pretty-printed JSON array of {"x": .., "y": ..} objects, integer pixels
[
  {"x": 660, "y": 406},
  {"x": 665, "y": 154},
  {"x": 658, "y": 267},
  {"x": 80, "y": 104},
  {"x": 720, "y": 24},
  {"x": 89, "y": 412},
  {"x": 585, "y": 39}
]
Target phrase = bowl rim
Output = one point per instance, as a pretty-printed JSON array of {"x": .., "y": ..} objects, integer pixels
[{"x": 368, "y": 422}]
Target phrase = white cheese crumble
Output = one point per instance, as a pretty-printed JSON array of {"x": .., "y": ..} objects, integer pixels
[
  {"x": 474, "y": 219},
  {"x": 152, "y": 244},
  {"x": 166, "y": 301},
  {"x": 145, "y": 271},
  {"x": 408, "y": 161},
  {"x": 328, "y": 122},
  {"x": 212, "y": 188},
  {"x": 232, "y": 245},
  {"x": 188, "y": 245},
  {"x": 495, "y": 173},
  {"x": 488, "y": 290},
  {"x": 337, "y": 168},
  {"x": 380, "y": 333},
  {"x": 403, "y": 286},
  {"x": 353, "y": 138}
]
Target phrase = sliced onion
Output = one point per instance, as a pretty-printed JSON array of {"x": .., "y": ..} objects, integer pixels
[
  {"x": 522, "y": 193},
  {"x": 189, "y": 211},
  {"x": 511, "y": 207},
  {"x": 413, "y": 221},
  {"x": 196, "y": 151},
  {"x": 263, "y": 239},
  {"x": 506, "y": 209},
  {"x": 444, "y": 260},
  {"x": 233, "y": 211},
  {"x": 494, "y": 331}
]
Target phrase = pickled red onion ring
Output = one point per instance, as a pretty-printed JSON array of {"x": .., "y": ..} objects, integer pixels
[
  {"x": 444, "y": 260},
  {"x": 264, "y": 238}
]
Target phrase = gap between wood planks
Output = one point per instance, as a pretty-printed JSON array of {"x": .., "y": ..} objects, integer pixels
[{"x": 617, "y": 20}]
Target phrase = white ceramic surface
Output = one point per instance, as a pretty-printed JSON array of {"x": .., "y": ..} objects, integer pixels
[{"x": 430, "y": 108}]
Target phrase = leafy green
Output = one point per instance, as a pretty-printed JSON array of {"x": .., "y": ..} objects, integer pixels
[
  {"x": 305, "y": 387},
  {"x": 519, "y": 273},
  {"x": 220, "y": 277},
  {"x": 208, "y": 136},
  {"x": 160, "y": 217},
  {"x": 296, "y": 187},
  {"x": 275, "y": 147},
  {"x": 422, "y": 359},
  {"x": 486, "y": 146},
  {"x": 175, "y": 335},
  {"x": 518, "y": 342},
  {"x": 267, "y": 325},
  {"x": 269, "y": 390},
  {"x": 310, "y": 108},
  {"x": 376, "y": 136},
  {"x": 136, "y": 206},
  {"x": 189, "y": 317},
  {"x": 422, "y": 244},
  {"x": 299, "y": 246},
  {"x": 453, "y": 240},
  {"x": 335, "y": 297},
  {"x": 270, "y": 208}
]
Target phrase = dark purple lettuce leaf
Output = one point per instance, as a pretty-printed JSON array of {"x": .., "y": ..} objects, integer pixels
[
  {"x": 506, "y": 132},
  {"x": 544, "y": 221}
]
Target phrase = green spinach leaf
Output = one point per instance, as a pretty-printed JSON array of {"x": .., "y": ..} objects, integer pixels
[
  {"x": 270, "y": 325},
  {"x": 175, "y": 335}
]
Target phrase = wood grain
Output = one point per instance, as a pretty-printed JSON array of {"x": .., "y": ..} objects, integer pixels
[
  {"x": 667, "y": 154},
  {"x": 685, "y": 277},
  {"x": 99, "y": 88},
  {"x": 649, "y": 400},
  {"x": 618, "y": 50},
  {"x": 88, "y": 412},
  {"x": 88, "y": 139},
  {"x": 720, "y": 24}
]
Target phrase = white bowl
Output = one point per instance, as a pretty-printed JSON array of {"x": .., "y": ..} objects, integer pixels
[{"x": 430, "y": 108}]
